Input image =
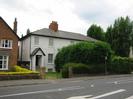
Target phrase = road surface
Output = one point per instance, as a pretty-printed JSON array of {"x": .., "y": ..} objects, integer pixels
[{"x": 107, "y": 88}]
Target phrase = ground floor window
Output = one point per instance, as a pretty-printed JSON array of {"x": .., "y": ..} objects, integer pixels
[
  {"x": 50, "y": 69},
  {"x": 3, "y": 62},
  {"x": 50, "y": 58}
]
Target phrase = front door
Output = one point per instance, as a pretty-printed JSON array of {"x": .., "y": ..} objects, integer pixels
[{"x": 38, "y": 61}]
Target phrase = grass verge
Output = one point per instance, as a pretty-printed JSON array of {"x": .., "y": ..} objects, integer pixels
[{"x": 53, "y": 75}]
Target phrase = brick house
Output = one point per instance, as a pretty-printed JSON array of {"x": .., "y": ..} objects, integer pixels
[{"x": 8, "y": 45}]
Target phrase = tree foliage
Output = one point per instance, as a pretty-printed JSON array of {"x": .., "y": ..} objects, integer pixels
[
  {"x": 83, "y": 52},
  {"x": 119, "y": 35},
  {"x": 96, "y": 32}
]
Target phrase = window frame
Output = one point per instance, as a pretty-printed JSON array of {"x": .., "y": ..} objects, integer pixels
[
  {"x": 4, "y": 61},
  {"x": 5, "y": 43},
  {"x": 72, "y": 42},
  {"x": 51, "y": 41},
  {"x": 36, "y": 40},
  {"x": 50, "y": 58}
]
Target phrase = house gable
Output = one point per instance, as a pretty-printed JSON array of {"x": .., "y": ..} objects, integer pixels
[
  {"x": 36, "y": 51},
  {"x": 10, "y": 48},
  {"x": 6, "y": 31}
]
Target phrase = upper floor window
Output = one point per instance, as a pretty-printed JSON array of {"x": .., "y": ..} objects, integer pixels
[
  {"x": 36, "y": 40},
  {"x": 5, "y": 43},
  {"x": 72, "y": 42},
  {"x": 51, "y": 41}
]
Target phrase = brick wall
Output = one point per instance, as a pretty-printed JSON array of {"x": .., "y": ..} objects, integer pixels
[{"x": 7, "y": 33}]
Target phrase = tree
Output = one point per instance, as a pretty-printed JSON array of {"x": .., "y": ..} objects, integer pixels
[
  {"x": 96, "y": 32},
  {"x": 119, "y": 36}
]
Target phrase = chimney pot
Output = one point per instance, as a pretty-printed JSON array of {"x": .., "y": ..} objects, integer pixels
[
  {"x": 53, "y": 26},
  {"x": 28, "y": 31}
]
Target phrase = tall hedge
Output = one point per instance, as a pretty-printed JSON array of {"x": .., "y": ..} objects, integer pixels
[
  {"x": 77, "y": 68},
  {"x": 121, "y": 65},
  {"x": 83, "y": 52}
]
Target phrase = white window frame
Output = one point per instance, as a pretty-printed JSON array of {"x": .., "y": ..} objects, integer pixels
[
  {"x": 50, "y": 59},
  {"x": 51, "y": 41},
  {"x": 4, "y": 43},
  {"x": 36, "y": 40},
  {"x": 4, "y": 65}
]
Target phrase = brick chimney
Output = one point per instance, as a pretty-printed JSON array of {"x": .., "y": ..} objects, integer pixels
[
  {"x": 53, "y": 26},
  {"x": 15, "y": 25}
]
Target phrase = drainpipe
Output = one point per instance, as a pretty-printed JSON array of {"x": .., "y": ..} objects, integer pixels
[
  {"x": 21, "y": 57},
  {"x": 30, "y": 55}
]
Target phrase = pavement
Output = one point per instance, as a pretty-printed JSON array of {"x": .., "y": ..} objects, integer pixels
[{"x": 24, "y": 82}]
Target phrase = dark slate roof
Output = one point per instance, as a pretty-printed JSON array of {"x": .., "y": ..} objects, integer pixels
[
  {"x": 9, "y": 27},
  {"x": 36, "y": 50},
  {"x": 60, "y": 34}
]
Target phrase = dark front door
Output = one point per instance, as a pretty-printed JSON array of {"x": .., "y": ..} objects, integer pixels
[{"x": 38, "y": 61}]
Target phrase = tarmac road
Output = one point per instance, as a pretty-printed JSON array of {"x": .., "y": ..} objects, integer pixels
[{"x": 83, "y": 88}]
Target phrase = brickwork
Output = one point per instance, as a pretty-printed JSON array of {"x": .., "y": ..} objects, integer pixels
[
  {"x": 7, "y": 33},
  {"x": 53, "y": 26}
]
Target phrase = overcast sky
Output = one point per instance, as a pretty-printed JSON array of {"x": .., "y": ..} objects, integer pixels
[{"x": 71, "y": 15}]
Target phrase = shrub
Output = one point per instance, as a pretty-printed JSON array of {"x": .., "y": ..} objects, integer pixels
[
  {"x": 19, "y": 73},
  {"x": 20, "y": 69},
  {"x": 121, "y": 65},
  {"x": 77, "y": 68},
  {"x": 83, "y": 52}
]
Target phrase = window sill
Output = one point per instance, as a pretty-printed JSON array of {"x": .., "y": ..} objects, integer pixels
[
  {"x": 50, "y": 63},
  {"x": 5, "y": 48},
  {"x": 3, "y": 68}
]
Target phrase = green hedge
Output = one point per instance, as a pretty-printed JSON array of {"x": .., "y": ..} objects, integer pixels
[
  {"x": 121, "y": 65},
  {"x": 77, "y": 68},
  {"x": 83, "y": 52}
]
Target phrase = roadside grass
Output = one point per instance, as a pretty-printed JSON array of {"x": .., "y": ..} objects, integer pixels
[{"x": 53, "y": 75}]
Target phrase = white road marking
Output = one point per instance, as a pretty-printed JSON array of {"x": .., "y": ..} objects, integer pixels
[
  {"x": 114, "y": 82},
  {"x": 97, "y": 97},
  {"x": 92, "y": 85},
  {"x": 121, "y": 81},
  {"x": 107, "y": 94},
  {"x": 131, "y": 97},
  {"x": 80, "y": 97},
  {"x": 44, "y": 91}
]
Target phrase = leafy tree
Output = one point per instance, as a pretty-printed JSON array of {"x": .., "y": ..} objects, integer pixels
[
  {"x": 96, "y": 32},
  {"x": 120, "y": 36}
]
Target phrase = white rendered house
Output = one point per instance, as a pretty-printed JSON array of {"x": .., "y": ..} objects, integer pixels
[{"x": 40, "y": 47}]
